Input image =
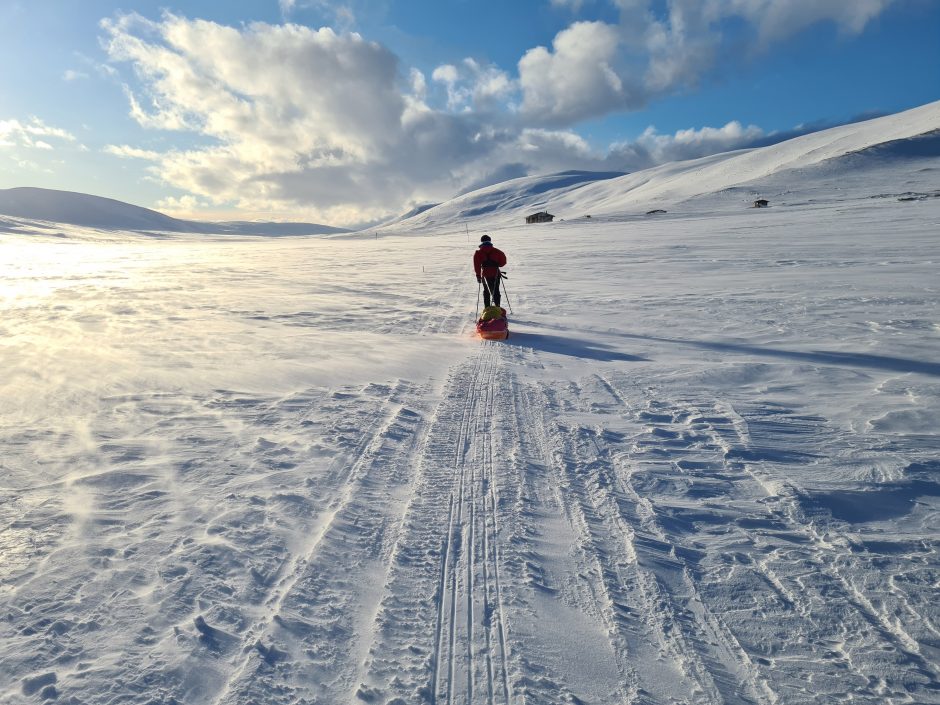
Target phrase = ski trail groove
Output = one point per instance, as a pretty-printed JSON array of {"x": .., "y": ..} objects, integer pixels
[
  {"x": 490, "y": 549},
  {"x": 448, "y": 520},
  {"x": 292, "y": 613}
]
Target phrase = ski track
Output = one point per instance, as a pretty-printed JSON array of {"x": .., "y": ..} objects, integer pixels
[
  {"x": 446, "y": 566},
  {"x": 428, "y": 561},
  {"x": 515, "y": 534},
  {"x": 310, "y": 611},
  {"x": 694, "y": 444}
]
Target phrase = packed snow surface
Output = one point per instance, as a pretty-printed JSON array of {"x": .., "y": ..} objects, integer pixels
[{"x": 704, "y": 468}]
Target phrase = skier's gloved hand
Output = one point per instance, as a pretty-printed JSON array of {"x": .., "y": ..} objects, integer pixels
[{"x": 479, "y": 280}]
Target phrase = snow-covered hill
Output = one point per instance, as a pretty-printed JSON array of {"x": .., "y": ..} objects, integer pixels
[
  {"x": 90, "y": 211},
  {"x": 721, "y": 182},
  {"x": 826, "y": 162}
]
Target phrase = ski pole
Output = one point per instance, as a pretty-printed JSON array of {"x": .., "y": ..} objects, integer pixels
[
  {"x": 502, "y": 277},
  {"x": 479, "y": 286},
  {"x": 489, "y": 291}
]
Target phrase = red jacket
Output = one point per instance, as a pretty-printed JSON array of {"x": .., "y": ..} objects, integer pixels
[{"x": 487, "y": 260}]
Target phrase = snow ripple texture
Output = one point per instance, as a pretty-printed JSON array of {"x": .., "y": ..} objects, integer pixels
[{"x": 703, "y": 470}]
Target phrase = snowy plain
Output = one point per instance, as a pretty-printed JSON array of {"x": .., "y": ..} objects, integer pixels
[{"x": 705, "y": 467}]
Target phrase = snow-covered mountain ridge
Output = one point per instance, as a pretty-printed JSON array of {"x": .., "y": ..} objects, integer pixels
[
  {"x": 823, "y": 162},
  {"x": 109, "y": 214},
  {"x": 703, "y": 183}
]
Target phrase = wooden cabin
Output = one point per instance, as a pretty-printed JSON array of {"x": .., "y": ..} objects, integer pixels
[
  {"x": 540, "y": 217},
  {"x": 761, "y": 203}
]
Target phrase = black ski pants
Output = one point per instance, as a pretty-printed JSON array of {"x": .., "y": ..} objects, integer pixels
[{"x": 491, "y": 284}]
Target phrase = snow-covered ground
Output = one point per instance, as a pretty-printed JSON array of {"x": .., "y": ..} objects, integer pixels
[{"x": 705, "y": 467}]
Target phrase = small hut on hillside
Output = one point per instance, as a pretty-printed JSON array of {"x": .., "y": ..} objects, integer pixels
[
  {"x": 761, "y": 203},
  {"x": 540, "y": 217}
]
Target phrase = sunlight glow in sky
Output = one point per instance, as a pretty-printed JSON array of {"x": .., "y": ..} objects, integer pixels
[{"x": 345, "y": 112}]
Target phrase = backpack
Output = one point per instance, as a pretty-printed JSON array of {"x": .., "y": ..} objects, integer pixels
[{"x": 491, "y": 312}]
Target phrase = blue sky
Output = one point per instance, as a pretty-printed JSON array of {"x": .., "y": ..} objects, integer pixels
[{"x": 345, "y": 112}]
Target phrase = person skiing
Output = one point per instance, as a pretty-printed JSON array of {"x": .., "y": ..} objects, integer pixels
[{"x": 486, "y": 263}]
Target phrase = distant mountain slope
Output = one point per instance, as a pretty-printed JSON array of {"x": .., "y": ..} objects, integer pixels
[
  {"x": 527, "y": 192},
  {"x": 83, "y": 209},
  {"x": 109, "y": 214},
  {"x": 251, "y": 227},
  {"x": 888, "y": 143},
  {"x": 417, "y": 210}
]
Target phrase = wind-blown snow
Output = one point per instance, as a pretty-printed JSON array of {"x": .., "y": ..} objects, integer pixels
[{"x": 703, "y": 469}]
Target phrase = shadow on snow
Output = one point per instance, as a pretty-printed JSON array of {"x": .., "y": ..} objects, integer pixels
[
  {"x": 571, "y": 346},
  {"x": 819, "y": 357}
]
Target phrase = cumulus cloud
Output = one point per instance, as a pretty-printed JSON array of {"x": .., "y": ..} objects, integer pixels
[
  {"x": 273, "y": 102},
  {"x": 656, "y": 48},
  {"x": 491, "y": 85},
  {"x": 448, "y": 75},
  {"x": 291, "y": 118},
  {"x": 474, "y": 86},
  {"x": 577, "y": 79},
  {"x": 653, "y": 148},
  {"x": 327, "y": 125}
]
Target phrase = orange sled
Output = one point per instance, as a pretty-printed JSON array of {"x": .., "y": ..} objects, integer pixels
[
  {"x": 493, "y": 324},
  {"x": 494, "y": 334}
]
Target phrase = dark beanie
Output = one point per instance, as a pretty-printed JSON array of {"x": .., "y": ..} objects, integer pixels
[{"x": 485, "y": 238}]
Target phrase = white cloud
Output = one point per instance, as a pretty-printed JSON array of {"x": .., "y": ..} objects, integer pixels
[
  {"x": 288, "y": 85},
  {"x": 14, "y": 133},
  {"x": 446, "y": 73},
  {"x": 653, "y": 148},
  {"x": 449, "y": 76},
  {"x": 128, "y": 152},
  {"x": 490, "y": 84},
  {"x": 183, "y": 206},
  {"x": 777, "y": 19},
  {"x": 277, "y": 101},
  {"x": 293, "y": 116},
  {"x": 295, "y": 122},
  {"x": 419, "y": 85},
  {"x": 473, "y": 86},
  {"x": 657, "y": 48},
  {"x": 577, "y": 79},
  {"x": 553, "y": 142}
]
